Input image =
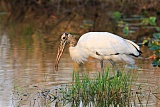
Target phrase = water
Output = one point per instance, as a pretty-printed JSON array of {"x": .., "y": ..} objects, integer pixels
[{"x": 23, "y": 71}]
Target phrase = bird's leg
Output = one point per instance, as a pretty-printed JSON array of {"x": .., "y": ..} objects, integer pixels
[
  {"x": 118, "y": 72},
  {"x": 102, "y": 67}
]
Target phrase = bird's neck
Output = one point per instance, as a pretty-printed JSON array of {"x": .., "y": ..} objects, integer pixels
[
  {"x": 77, "y": 54},
  {"x": 73, "y": 42}
]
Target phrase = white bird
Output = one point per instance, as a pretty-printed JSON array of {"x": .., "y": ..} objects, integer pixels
[{"x": 99, "y": 45}]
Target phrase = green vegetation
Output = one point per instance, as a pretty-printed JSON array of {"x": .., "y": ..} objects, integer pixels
[
  {"x": 126, "y": 30},
  {"x": 154, "y": 44},
  {"x": 105, "y": 91},
  {"x": 117, "y": 16},
  {"x": 149, "y": 21},
  {"x": 99, "y": 91}
]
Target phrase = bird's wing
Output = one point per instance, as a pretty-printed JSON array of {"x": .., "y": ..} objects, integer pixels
[{"x": 107, "y": 44}]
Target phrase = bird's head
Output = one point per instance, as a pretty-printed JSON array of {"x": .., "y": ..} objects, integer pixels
[{"x": 65, "y": 39}]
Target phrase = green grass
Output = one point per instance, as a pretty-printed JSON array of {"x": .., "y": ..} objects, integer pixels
[{"x": 99, "y": 90}]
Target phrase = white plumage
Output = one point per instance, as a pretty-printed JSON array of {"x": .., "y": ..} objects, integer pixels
[{"x": 102, "y": 46}]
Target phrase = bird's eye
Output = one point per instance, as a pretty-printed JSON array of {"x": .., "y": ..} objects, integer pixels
[{"x": 64, "y": 38}]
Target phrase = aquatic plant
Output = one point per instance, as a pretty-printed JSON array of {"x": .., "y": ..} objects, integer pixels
[
  {"x": 149, "y": 21},
  {"x": 101, "y": 90},
  {"x": 154, "y": 44}
]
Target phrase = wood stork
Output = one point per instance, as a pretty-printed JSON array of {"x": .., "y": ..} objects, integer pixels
[{"x": 99, "y": 45}]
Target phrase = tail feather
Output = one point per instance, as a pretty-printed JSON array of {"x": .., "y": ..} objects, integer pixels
[{"x": 135, "y": 45}]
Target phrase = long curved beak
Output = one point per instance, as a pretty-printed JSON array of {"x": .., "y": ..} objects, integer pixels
[{"x": 59, "y": 54}]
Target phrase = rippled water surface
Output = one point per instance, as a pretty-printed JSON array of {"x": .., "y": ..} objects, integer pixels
[{"x": 28, "y": 70}]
